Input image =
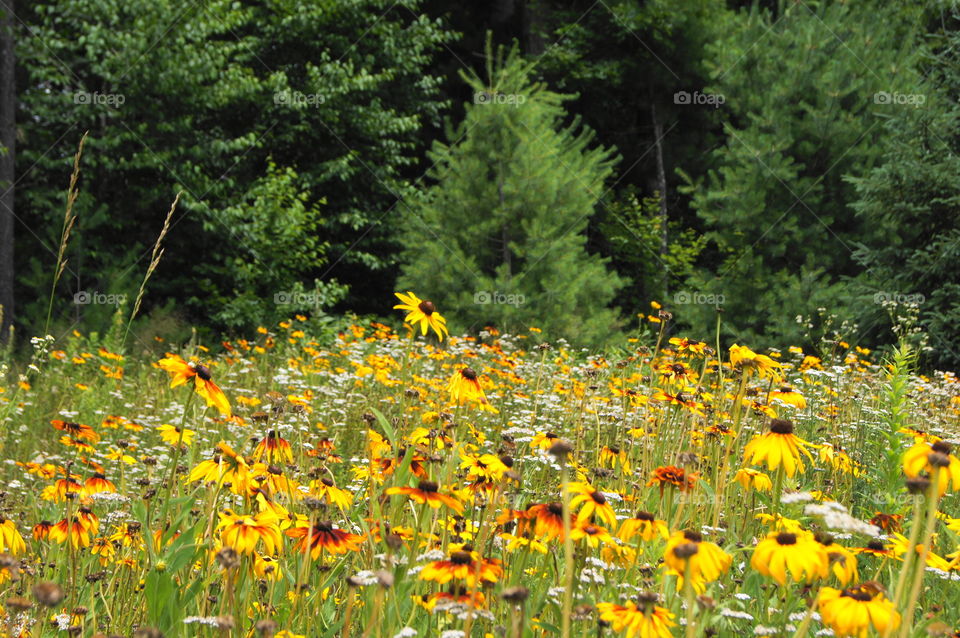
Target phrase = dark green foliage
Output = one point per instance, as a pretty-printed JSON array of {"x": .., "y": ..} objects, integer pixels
[
  {"x": 498, "y": 240},
  {"x": 292, "y": 128}
]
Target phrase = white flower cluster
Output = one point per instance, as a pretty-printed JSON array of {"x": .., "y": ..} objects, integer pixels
[{"x": 835, "y": 516}]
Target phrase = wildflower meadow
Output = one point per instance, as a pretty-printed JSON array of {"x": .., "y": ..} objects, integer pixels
[{"x": 404, "y": 482}]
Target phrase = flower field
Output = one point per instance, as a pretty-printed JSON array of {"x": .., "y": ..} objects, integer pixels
[{"x": 402, "y": 482}]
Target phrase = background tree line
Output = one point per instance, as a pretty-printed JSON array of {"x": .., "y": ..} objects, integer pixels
[{"x": 554, "y": 163}]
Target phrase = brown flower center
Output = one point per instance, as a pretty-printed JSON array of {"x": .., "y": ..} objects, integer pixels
[
  {"x": 786, "y": 538},
  {"x": 781, "y": 426},
  {"x": 427, "y": 307}
]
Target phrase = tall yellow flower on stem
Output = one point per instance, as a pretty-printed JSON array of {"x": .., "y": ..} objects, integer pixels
[
  {"x": 181, "y": 372},
  {"x": 795, "y": 554},
  {"x": 853, "y": 611},
  {"x": 749, "y": 361},
  {"x": 928, "y": 458},
  {"x": 422, "y": 313},
  {"x": 643, "y": 618},
  {"x": 779, "y": 446},
  {"x": 687, "y": 553}
]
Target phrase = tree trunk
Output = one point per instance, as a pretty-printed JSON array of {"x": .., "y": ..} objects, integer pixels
[
  {"x": 8, "y": 137},
  {"x": 662, "y": 188}
]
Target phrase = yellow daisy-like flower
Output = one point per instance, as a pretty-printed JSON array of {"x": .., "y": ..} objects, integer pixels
[
  {"x": 750, "y": 478},
  {"x": 707, "y": 562},
  {"x": 175, "y": 435},
  {"x": 643, "y": 620},
  {"x": 851, "y": 612},
  {"x": 464, "y": 387},
  {"x": 181, "y": 372},
  {"x": 934, "y": 458},
  {"x": 785, "y": 553},
  {"x": 423, "y": 313},
  {"x": 644, "y": 525},
  {"x": 242, "y": 532},
  {"x": 779, "y": 446},
  {"x": 590, "y": 501},
  {"x": 749, "y": 361},
  {"x": 843, "y": 562}
]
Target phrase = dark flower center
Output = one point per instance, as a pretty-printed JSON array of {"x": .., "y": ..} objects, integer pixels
[
  {"x": 692, "y": 536},
  {"x": 942, "y": 447},
  {"x": 786, "y": 538},
  {"x": 781, "y": 426},
  {"x": 876, "y": 545},
  {"x": 427, "y": 307},
  {"x": 460, "y": 558},
  {"x": 644, "y": 516},
  {"x": 469, "y": 374},
  {"x": 202, "y": 371},
  {"x": 598, "y": 498},
  {"x": 555, "y": 508},
  {"x": 857, "y": 594},
  {"x": 428, "y": 486}
]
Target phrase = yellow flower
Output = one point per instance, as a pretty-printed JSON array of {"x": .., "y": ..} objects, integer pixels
[
  {"x": 783, "y": 553},
  {"x": 779, "y": 446},
  {"x": 756, "y": 479},
  {"x": 706, "y": 561},
  {"x": 242, "y": 532},
  {"x": 749, "y": 361},
  {"x": 175, "y": 435},
  {"x": 851, "y": 612},
  {"x": 465, "y": 387},
  {"x": 423, "y": 313},
  {"x": 934, "y": 458},
  {"x": 593, "y": 502},
  {"x": 646, "y": 620},
  {"x": 181, "y": 371}
]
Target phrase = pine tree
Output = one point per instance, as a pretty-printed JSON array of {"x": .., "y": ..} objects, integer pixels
[{"x": 499, "y": 238}]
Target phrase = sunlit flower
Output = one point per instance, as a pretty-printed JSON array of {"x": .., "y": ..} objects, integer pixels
[
  {"x": 275, "y": 448},
  {"x": 428, "y": 492},
  {"x": 843, "y": 562},
  {"x": 675, "y": 476},
  {"x": 784, "y": 553},
  {"x": 464, "y": 565},
  {"x": 423, "y": 313},
  {"x": 181, "y": 371},
  {"x": 644, "y": 525},
  {"x": 779, "y": 446},
  {"x": 853, "y": 611},
  {"x": 930, "y": 458},
  {"x": 548, "y": 520},
  {"x": 176, "y": 435},
  {"x": 591, "y": 501},
  {"x": 706, "y": 561},
  {"x": 749, "y": 361},
  {"x": 750, "y": 478},
  {"x": 643, "y": 620},
  {"x": 464, "y": 387},
  {"x": 267, "y": 567},
  {"x": 324, "y": 536},
  {"x": 10, "y": 539},
  {"x": 593, "y": 535},
  {"x": 325, "y": 488},
  {"x": 243, "y": 532},
  {"x": 76, "y": 430}
]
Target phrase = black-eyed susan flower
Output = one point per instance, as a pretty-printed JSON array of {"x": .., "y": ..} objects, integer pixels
[
  {"x": 750, "y": 362},
  {"x": 645, "y": 525},
  {"x": 181, "y": 372},
  {"x": 76, "y": 430},
  {"x": 323, "y": 536},
  {"x": 75, "y": 530},
  {"x": 796, "y": 555},
  {"x": 226, "y": 466},
  {"x": 548, "y": 520},
  {"x": 326, "y": 489},
  {"x": 464, "y": 387},
  {"x": 612, "y": 456},
  {"x": 642, "y": 618},
  {"x": 592, "y": 535},
  {"x": 934, "y": 458},
  {"x": 175, "y": 434},
  {"x": 98, "y": 483},
  {"x": 789, "y": 396},
  {"x": 10, "y": 538},
  {"x": 671, "y": 475},
  {"x": 276, "y": 448},
  {"x": 853, "y": 611},
  {"x": 843, "y": 562},
  {"x": 244, "y": 532},
  {"x": 267, "y": 567},
  {"x": 779, "y": 446},
  {"x": 590, "y": 502},
  {"x": 464, "y": 564},
  {"x": 422, "y": 313},
  {"x": 428, "y": 492},
  {"x": 753, "y": 479},
  {"x": 705, "y": 560},
  {"x": 482, "y": 467}
]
